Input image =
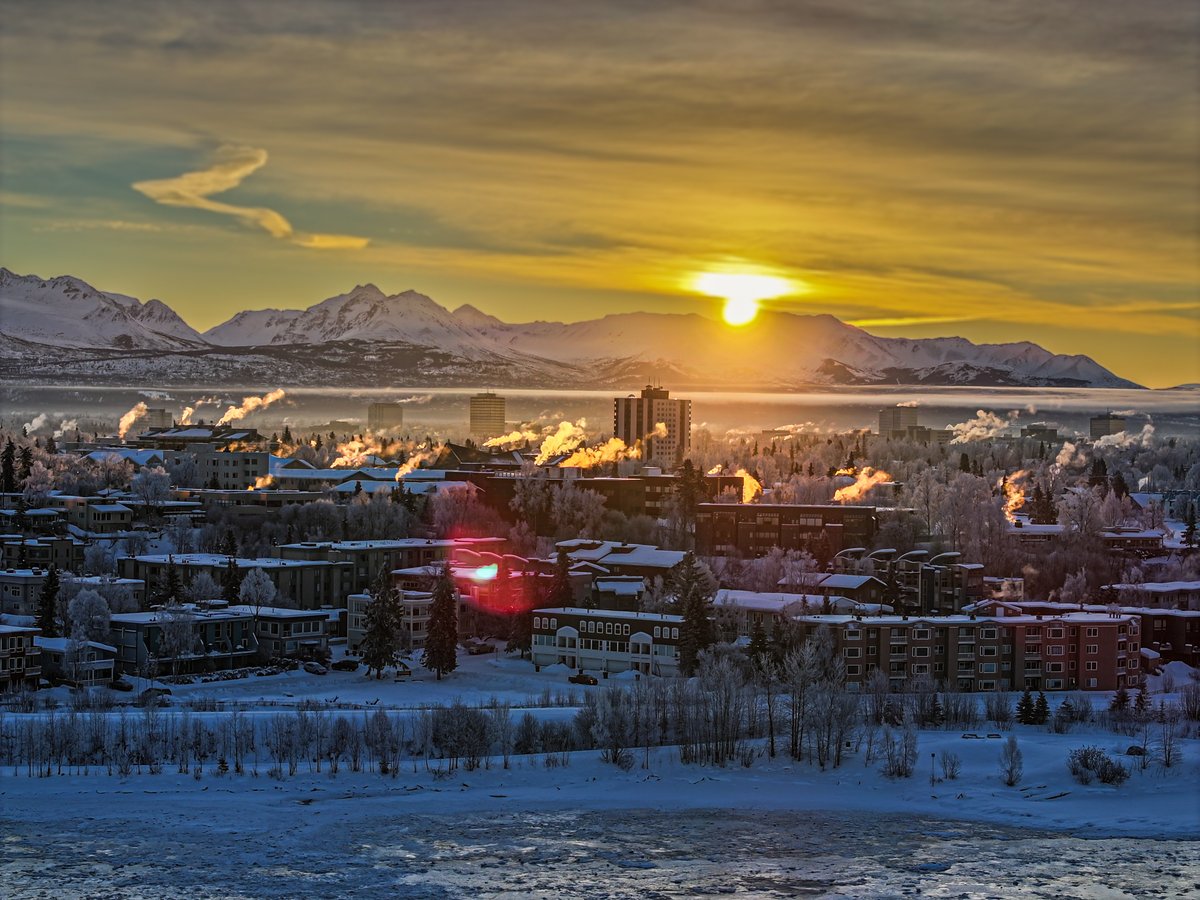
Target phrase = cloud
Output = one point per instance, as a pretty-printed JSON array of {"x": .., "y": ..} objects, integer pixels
[{"x": 231, "y": 165}]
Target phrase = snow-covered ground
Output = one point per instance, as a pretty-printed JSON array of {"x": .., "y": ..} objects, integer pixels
[{"x": 775, "y": 829}]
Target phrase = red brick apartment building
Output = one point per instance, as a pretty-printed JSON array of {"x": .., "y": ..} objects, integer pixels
[
  {"x": 1007, "y": 651},
  {"x": 1174, "y": 634}
]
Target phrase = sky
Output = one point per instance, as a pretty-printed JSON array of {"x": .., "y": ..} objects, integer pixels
[{"x": 997, "y": 170}]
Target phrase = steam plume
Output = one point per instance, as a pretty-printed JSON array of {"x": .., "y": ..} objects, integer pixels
[
  {"x": 866, "y": 479},
  {"x": 127, "y": 420},
  {"x": 249, "y": 405},
  {"x": 564, "y": 439},
  {"x": 512, "y": 439},
  {"x": 985, "y": 425},
  {"x": 750, "y": 486},
  {"x": 612, "y": 450}
]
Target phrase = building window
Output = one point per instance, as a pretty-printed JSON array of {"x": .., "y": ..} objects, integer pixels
[
  {"x": 657, "y": 631},
  {"x": 852, "y": 652},
  {"x": 1093, "y": 632},
  {"x": 674, "y": 634},
  {"x": 853, "y": 670},
  {"x": 920, "y": 651},
  {"x": 988, "y": 634}
]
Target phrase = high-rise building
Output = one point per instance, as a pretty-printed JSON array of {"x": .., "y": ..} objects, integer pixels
[
  {"x": 1107, "y": 424},
  {"x": 487, "y": 415},
  {"x": 381, "y": 416},
  {"x": 896, "y": 421},
  {"x": 155, "y": 418},
  {"x": 663, "y": 425}
]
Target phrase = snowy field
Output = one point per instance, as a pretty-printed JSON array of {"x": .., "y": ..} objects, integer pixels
[{"x": 776, "y": 829}]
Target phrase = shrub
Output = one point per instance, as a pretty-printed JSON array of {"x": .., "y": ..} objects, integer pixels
[
  {"x": 951, "y": 764},
  {"x": 1086, "y": 763}
]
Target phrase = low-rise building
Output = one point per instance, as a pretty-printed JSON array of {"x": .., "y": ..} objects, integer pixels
[
  {"x": 219, "y": 639},
  {"x": 301, "y": 584},
  {"x": 81, "y": 663},
  {"x": 20, "y": 590},
  {"x": 415, "y": 607},
  {"x": 288, "y": 633},
  {"x": 20, "y": 658},
  {"x": 606, "y": 641}
]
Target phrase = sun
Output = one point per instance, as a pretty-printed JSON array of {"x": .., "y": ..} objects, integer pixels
[{"x": 742, "y": 292}]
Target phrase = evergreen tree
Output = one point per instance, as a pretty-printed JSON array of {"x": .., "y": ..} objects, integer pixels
[
  {"x": 561, "y": 592},
  {"x": 24, "y": 463},
  {"x": 47, "y": 617},
  {"x": 8, "y": 468},
  {"x": 170, "y": 589},
  {"x": 381, "y": 633},
  {"x": 229, "y": 545},
  {"x": 441, "y": 642},
  {"x": 964, "y": 462},
  {"x": 51, "y": 446},
  {"x": 520, "y": 626},
  {"x": 1189, "y": 526},
  {"x": 1120, "y": 700},
  {"x": 1041, "y": 710},
  {"x": 690, "y": 491},
  {"x": 231, "y": 580},
  {"x": 937, "y": 713},
  {"x": 1141, "y": 703},
  {"x": 759, "y": 648},
  {"x": 1025, "y": 708},
  {"x": 693, "y": 599}
]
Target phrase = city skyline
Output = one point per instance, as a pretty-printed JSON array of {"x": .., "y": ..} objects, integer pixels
[{"x": 1015, "y": 174}]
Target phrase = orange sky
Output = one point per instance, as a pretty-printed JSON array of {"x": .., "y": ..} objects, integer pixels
[{"x": 1000, "y": 171}]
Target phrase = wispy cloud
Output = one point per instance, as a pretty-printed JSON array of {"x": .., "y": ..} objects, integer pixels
[
  {"x": 231, "y": 165},
  {"x": 901, "y": 321}
]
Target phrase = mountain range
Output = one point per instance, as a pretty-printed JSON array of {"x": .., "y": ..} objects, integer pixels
[{"x": 62, "y": 330}]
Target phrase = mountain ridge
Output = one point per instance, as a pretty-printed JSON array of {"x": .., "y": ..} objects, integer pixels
[{"x": 428, "y": 340}]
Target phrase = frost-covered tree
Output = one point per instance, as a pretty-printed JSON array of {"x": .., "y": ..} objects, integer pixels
[
  {"x": 203, "y": 589},
  {"x": 257, "y": 591},
  {"x": 89, "y": 617}
]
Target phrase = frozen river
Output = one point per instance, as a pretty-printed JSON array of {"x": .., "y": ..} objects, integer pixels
[{"x": 323, "y": 852}]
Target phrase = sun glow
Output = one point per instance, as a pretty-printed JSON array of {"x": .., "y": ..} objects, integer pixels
[{"x": 742, "y": 292}]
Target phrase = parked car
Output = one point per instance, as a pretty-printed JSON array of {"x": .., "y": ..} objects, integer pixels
[
  {"x": 583, "y": 678},
  {"x": 121, "y": 685},
  {"x": 315, "y": 668},
  {"x": 345, "y": 665},
  {"x": 479, "y": 649}
]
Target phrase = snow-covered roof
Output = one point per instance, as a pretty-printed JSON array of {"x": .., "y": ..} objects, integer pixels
[
  {"x": 276, "y": 612},
  {"x": 609, "y": 614},
  {"x": 1159, "y": 587},
  {"x": 219, "y": 559},
  {"x": 846, "y": 582},
  {"x": 111, "y": 508},
  {"x": 17, "y": 629},
  {"x": 758, "y": 601},
  {"x": 62, "y": 644}
]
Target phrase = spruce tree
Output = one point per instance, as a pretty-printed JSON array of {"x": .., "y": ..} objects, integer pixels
[
  {"x": 1041, "y": 710},
  {"x": 693, "y": 596},
  {"x": 24, "y": 463},
  {"x": 758, "y": 644},
  {"x": 1141, "y": 703},
  {"x": 231, "y": 580},
  {"x": 8, "y": 468},
  {"x": 1189, "y": 526},
  {"x": 170, "y": 590},
  {"x": 561, "y": 592},
  {"x": 381, "y": 634},
  {"x": 47, "y": 617},
  {"x": 1025, "y": 708},
  {"x": 441, "y": 641},
  {"x": 1120, "y": 700}
]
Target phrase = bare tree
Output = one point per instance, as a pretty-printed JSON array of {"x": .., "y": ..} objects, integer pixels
[{"x": 1012, "y": 765}]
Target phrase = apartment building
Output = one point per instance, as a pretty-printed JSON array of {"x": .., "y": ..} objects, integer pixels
[
  {"x": 1007, "y": 651},
  {"x": 753, "y": 530},
  {"x": 301, "y": 584},
  {"x": 605, "y": 642},
  {"x": 661, "y": 425},
  {"x": 415, "y": 607},
  {"x": 20, "y": 658},
  {"x": 290, "y": 633},
  {"x": 220, "y": 639}
]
